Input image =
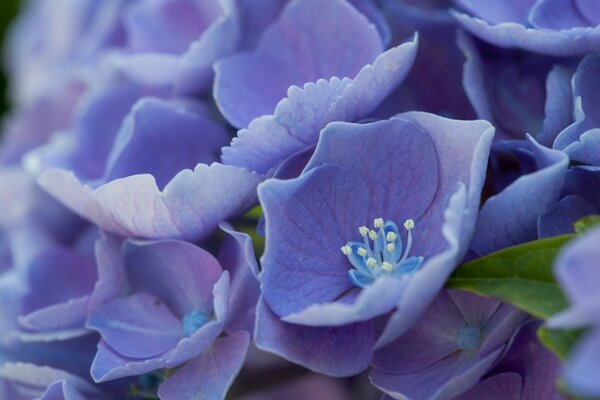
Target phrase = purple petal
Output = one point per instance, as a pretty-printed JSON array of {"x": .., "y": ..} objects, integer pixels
[
  {"x": 538, "y": 367},
  {"x": 497, "y": 11},
  {"x": 138, "y": 326},
  {"x": 237, "y": 257},
  {"x": 377, "y": 299},
  {"x": 190, "y": 206},
  {"x": 339, "y": 351},
  {"x": 560, "y": 219},
  {"x": 179, "y": 273},
  {"x": 155, "y": 125},
  {"x": 112, "y": 280},
  {"x": 506, "y": 386},
  {"x": 559, "y": 105},
  {"x": 582, "y": 368},
  {"x": 428, "y": 342},
  {"x": 576, "y": 269},
  {"x": 168, "y": 26},
  {"x": 69, "y": 316},
  {"x": 195, "y": 72},
  {"x": 546, "y": 15},
  {"x": 571, "y": 42},
  {"x": 61, "y": 390},
  {"x": 444, "y": 380},
  {"x": 35, "y": 377},
  {"x": 272, "y": 139},
  {"x": 509, "y": 217},
  {"x": 211, "y": 373},
  {"x": 292, "y": 51},
  {"x": 299, "y": 267}
]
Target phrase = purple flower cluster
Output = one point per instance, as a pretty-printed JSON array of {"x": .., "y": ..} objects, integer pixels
[{"x": 265, "y": 199}]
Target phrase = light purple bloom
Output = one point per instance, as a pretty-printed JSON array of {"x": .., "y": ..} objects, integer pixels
[
  {"x": 305, "y": 278},
  {"x": 163, "y": 304},
  {"x": 456, "y": 341}
]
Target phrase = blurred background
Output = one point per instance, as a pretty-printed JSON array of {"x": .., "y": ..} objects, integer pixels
[{"x": 8, "y": 9}]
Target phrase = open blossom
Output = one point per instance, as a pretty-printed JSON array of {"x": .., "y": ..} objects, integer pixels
[
  {"x": 456, "y": 342},
  {"x": 318, "y": 276}
]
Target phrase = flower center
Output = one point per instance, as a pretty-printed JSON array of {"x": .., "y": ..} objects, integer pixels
[
  {"x": 192, "y": 321},
  {"x": 380, "y": 253},
  {"x": 469, "y": 337}
]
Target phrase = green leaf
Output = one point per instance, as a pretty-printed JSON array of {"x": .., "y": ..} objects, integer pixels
[
  {"x": 520, "y": 275},
  {"x": 559, "y": 341},
  {"x": 586, "y": 223}
]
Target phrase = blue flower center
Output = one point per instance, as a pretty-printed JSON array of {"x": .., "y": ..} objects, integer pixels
[
  {"x": 192, "y": 321},
  {"x": 469, "y": 337},
  {"x": 380, "y": 253}
]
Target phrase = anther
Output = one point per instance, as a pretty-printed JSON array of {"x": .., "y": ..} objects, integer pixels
[
  {"x": 346, "y": 250},
  {"x": 363, "y": 230},
  {"x": 390, "y": 247},
  {"x": 378, "y": 222},
  {"x": 372, "y": 234},
  {"x": 371, "y": 262},
  {"x": 361, "y": 252},
  {"x": 391, "y": 236},
  {"x": 409, "y": 224}
]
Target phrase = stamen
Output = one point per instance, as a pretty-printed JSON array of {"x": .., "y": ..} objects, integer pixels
[
  {"x": 409, "y": 225},
  {"x": 381, "y": 253},
  {"x": 387, "y": 267}
]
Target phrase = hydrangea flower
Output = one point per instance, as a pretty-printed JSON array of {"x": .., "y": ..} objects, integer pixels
[
  {"x": 456, "y": 341},
  {"x": 577, "y": 271},
  {"x": 163, "y": 304},
  {"x": 553, "y": 27},
  {"x": 313, "y": 270}
]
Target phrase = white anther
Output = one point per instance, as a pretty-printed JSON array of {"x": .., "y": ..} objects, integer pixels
[
  {"x": 361, "y": 252},
  {"x": 391, "y": 236},
  {"x": 371, "y": 262},
  {"x": 363, "y": 230},
  {"x": 372, "y": 234},
  {"x": 346, "y": 250},
  {"x": 390, "y": 247},
  {"x": 409, "y": 224},
  {"x": 387, "y": 267},
  {"x": 378, "y": 222}
]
